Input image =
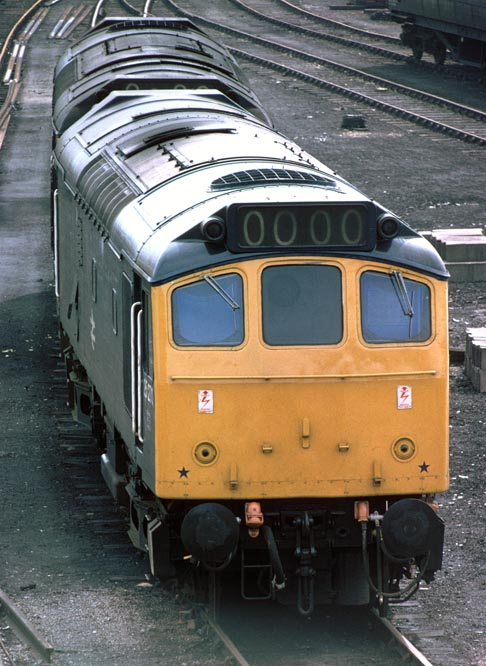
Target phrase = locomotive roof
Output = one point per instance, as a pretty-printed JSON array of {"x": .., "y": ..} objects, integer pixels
[
  {"x": 153, "y": 166},
  {"x": 116, "y": 41},
  {"x": 145, "y": 73},
  {"x": 132, "y": 142},
  {"x": 110, "y": 27}
]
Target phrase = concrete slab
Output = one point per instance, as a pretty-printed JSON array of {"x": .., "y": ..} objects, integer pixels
[
  {"x": 463, "y": 251},
  {"x": 467, "y": 271},
  {"x": 475, "y": 358}
]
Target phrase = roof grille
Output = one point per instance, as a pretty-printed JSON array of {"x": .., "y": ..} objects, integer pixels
[
  {"x": 115, "y": 24},
  {"x": 268, "y": 177},
  {"x": 104, "y": 190}
]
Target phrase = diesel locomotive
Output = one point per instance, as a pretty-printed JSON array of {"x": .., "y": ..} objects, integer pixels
[
  {"x": 259, "y": 348},
  {"x": 454, "y": 28}
]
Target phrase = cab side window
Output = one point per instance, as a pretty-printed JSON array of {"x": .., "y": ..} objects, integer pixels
[{"x": 394, "y": 308}]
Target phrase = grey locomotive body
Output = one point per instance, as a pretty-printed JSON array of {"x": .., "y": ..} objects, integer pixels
[{"x": 153, "y": 54}]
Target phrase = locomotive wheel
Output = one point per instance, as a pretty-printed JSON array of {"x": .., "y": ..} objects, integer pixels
[
  {"x": 440, "y": 54},
  {"x": 417, "y": 50}
]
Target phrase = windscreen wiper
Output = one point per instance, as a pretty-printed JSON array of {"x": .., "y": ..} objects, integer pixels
[
  {"x": 402, "y": 293},
  {"x": 219, "y": 289}
]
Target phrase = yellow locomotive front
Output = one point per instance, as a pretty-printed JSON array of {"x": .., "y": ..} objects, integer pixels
[
  {"x": 301, "y": 377},
  {"x": 303, "y": 386}
]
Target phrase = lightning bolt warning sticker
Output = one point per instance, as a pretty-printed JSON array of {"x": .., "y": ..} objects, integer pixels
[
  {"x": 205, "y": 402},
  {"x": 404, "y": 397}
]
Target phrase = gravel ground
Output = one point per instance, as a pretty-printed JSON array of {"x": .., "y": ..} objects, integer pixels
[{"x": 79, "y": 594}]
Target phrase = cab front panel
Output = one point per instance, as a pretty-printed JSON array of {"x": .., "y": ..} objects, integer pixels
[{"x": 338, "y": 413}]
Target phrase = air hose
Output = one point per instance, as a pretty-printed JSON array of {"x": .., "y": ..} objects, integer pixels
[
  {"x": 279, "y": 576},
  {"x": 400, "y": 595}
]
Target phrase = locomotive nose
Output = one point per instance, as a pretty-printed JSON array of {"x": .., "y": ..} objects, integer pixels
[{"x": 210, "y": 532}]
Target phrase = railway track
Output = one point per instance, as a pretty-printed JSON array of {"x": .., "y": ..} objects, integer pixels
[
  {"x": 17, "y": 26},
  {"x": 408, "y": 103},
  {"x": 274, "y": 636},
  {"x": 308, "y": 14},
  {"x": 25, "y": 631},
  {"x": 316, "y": 10},
  {"x": 428, "y": 110},
  {"x": 284, "y": 14},
  {"x": 270, "y": 8},
  {"x": 19, "y": 23}
]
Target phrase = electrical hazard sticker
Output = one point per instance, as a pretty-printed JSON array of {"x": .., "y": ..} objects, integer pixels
[
  {"x": 404, "y": 397},
  {"x": 205, "y": 402}
]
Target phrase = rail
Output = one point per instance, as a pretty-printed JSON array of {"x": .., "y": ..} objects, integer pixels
[
  {"x": 24, "y": 629},
  {"x": 408, "y": 647},
  {"x": 346, "y": 26},
  {"x": 226, "y": 641},
  {"x": 399, "y": 649},
  {"x": 14, "y": 67}
]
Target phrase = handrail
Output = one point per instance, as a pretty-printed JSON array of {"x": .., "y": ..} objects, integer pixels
[
  {"x": 134, "y": 362},
  {"x": 55, "y": 200},
  {"x": 139, "y": 432}
]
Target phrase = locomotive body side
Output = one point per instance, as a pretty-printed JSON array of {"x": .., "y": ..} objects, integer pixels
[
  {"x": 260, "y": 349},
  {"x": 441, "y": 27}
]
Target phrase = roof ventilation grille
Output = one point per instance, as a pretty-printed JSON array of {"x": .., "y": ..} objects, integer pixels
[{"x": 269, "y": 177}]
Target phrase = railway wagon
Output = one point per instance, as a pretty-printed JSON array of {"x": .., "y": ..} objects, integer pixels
[
  {"x": 259, "y": 348},
  {"x": 443, "y": 27}
]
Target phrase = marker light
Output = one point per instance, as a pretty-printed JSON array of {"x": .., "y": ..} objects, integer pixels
[
  {"x": 213, "y": 229},
  {"x": 387, "y": 226}
]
